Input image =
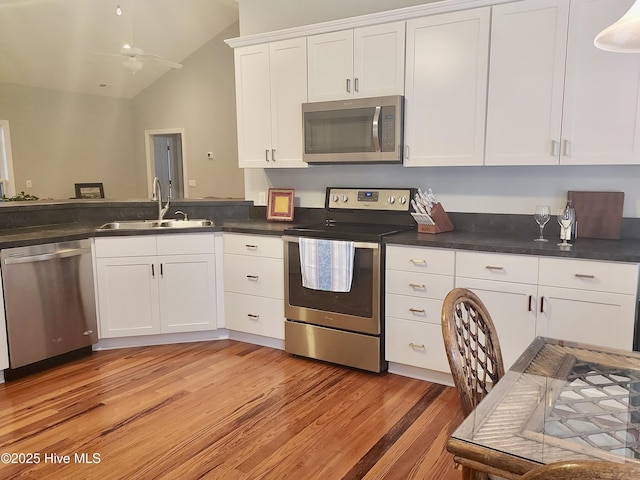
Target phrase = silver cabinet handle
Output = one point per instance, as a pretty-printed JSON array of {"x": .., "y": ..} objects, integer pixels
[
  {"x": 567, "y": 148},
  {"x": 356, "y": 85},
  {"x": 493, "y": 267},
  {"x": 253, "y": 316},
  {"x": 555, "y": 148},
  {"x": 416, "y": 345},
  {"x": 348, "y": 85},
  {"x": 273, "y": 154},
  {"x": 583, "y": 275},
  {"x": 252, "y": 277},
  {"x": 418, "y": 261},
  {"x": 407, "y": 151},
  {"x": 251, "y": 247},
  {"x": 417, "y": 285},
  {"x": 266, "y": 155},
  {"x": 416, "y": 310},
  {"x": 375, "y": 129}
]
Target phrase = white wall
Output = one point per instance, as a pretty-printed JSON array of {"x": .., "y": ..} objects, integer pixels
[
  {"x": 200, "y": 98},
  {"x": 461, "y": 189},
  {"x": 60, "y": 138}
]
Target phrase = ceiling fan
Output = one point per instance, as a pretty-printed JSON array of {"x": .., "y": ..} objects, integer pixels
[{"x": 134, "y": 58}]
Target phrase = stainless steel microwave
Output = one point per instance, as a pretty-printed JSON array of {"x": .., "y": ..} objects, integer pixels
[{"x": 362, "y": 130}]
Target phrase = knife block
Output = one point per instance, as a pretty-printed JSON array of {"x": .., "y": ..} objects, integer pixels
[{"x": 440, "y": 219}]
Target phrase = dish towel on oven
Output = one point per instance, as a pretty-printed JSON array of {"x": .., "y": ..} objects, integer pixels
[{"x": 326, "y": 264}]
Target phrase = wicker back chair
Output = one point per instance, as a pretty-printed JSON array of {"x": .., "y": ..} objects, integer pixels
[
  {"x": 472, "y": 346},
  {"x": 585, "y": 470}
]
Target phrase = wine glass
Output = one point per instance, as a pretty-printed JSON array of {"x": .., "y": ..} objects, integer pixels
[
  {"x": 566, "y": 217},
  {"x": 542, "y": 215}
]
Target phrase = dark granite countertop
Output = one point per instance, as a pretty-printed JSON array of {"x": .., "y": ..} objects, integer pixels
[{"x": 612, "y": 250}]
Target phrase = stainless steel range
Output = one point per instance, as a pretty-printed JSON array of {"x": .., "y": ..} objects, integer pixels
[{"x": 343, "y": 325}]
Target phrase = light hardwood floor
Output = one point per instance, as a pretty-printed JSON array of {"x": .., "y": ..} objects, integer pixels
[{"x": 223, "y": 410}]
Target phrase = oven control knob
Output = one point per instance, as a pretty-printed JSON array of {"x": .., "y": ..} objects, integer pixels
[
  {"x": 336, "y": 198},
  {"x": 392, "y": 200},
  {"x": 403, "y": 200},
  {"x": 345, "y": 198}
]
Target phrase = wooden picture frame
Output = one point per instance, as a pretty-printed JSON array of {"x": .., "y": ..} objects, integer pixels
[
  {"x": 280, "y": 204},
  {"x": 89, "y": 190}
]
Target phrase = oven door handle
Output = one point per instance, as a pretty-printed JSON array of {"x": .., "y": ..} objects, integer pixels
[{"x": 365, "y": 245}]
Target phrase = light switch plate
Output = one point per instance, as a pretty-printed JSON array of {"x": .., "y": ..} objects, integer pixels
[{"x": 192, "y": 183}]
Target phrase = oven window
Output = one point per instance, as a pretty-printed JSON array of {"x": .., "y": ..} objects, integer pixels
[{"x": 357, "y": 302}]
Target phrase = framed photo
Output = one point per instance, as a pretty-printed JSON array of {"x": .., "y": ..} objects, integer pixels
[
  {"x": 280, "y": 204},
  {"x": 89, "y": 190}
]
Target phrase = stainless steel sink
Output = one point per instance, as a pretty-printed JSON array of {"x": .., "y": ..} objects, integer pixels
[
  {"x": 131, "y": 225},
  {"x": 186, "y": 223},
  {"x": 150, "y": 224}
]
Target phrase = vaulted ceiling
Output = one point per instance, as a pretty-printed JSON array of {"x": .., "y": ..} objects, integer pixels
[{"x": 61, "y": 44}]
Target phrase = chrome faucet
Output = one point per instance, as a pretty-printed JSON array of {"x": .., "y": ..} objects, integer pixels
[
  {"x": 184, "y": 215},
  {"x": 157, "y": 195}
]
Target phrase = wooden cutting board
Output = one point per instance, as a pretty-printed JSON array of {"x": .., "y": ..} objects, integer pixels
[{"x": 599, "y": 214}]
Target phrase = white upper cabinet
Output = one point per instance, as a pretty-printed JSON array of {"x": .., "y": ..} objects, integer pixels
[
  {"x": 601, "y": 121},
  {"x": 446, "y": 88},
  {"x": 554, "y": 98},
  {"x": 526, "y": 83},
  {"x": 271, "y": 85},
  {"x": 363, "y": 62}
]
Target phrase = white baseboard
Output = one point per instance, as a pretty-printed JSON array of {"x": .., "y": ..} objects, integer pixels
[{"x": 421, "y": 374}]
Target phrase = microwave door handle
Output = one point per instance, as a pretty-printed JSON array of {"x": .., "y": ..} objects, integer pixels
[{"x": 375, "y": 129}]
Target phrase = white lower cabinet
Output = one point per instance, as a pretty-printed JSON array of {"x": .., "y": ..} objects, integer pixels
[
  {"x": 254, "y": 284},
  {"x": 588, "y": 301},
  {"x": 507, "y": 285},
  {"x": 155, "y": 284},
  {"x": 417, "y": 280},
  {"x": 576, "y": 300}
]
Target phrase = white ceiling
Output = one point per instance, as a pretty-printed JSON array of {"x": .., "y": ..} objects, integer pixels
[{"x": 53, "y": 43}]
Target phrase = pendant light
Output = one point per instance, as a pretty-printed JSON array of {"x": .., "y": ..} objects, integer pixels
[{"x": 624, "y": 35}]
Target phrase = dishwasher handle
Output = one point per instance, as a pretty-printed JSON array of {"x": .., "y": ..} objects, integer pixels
[{"x": 71, "y": 252}]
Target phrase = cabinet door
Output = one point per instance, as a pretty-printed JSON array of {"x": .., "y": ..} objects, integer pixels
[
  {"x": 330, "y": 67},
  {"x": 512, "y": 307},
  {"x": 128, "y": 296},
  {"x": 253, "y": 105},
  {"x": 605, "y": 319},
  {"x": 187, "y": 293},
  {"x": 288, "y": 66},
  {"x": 378, "y": 56},
  {"x": 446, "y": 88},
  {"x": 526, "y": 83},
  {"x": 602, "y": 91}
]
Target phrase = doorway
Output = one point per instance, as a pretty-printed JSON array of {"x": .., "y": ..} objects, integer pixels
[{"x": 165, "y": 160}]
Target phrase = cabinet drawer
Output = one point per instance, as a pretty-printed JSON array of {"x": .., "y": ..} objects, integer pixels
[
  {"x": 185, "y": 243},
  {"x": 131, "y": 246},
  {"x": 415, "y": 343},
  {"x": 253, "y": 245},
  {"x": 254, "y": 275},
  {"x": 419, "y": 259},
  {"x": 589, "y": 275},
  {"x": 418, "y": 284},
  {"x": 497, "y": 266},
  {"x": 256, "y": 315},
  {"x": 413, "y": 308}
]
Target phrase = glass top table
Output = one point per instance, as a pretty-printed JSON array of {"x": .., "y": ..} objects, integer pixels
[{"x": 560, "y": 401}]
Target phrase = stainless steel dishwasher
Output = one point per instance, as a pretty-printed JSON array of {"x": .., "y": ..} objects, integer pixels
[{"x": 49, "y": 300}]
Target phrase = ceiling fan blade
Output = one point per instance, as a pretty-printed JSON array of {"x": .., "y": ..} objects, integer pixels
[{"x": 159, "y": 59}]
